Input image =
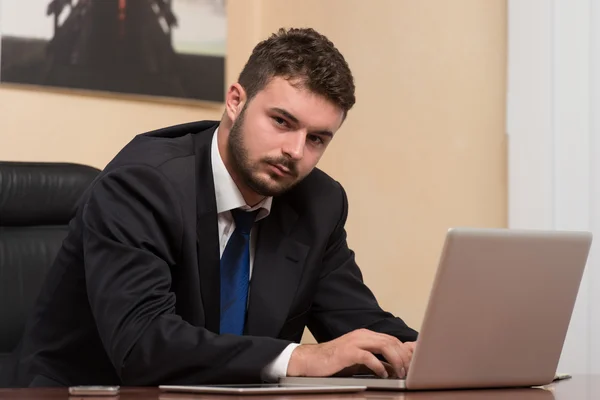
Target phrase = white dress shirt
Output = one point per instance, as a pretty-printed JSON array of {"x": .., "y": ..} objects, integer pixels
[{"x": 228, "y": 198}]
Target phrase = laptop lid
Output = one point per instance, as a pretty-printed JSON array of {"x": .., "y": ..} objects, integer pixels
[{"x": 499, "y": 308}]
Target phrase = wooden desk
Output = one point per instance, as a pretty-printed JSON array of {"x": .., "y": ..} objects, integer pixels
[{"x": 578, "y": 388}]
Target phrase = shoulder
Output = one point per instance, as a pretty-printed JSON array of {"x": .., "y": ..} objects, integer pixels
[
  {"x": 157, "y": 147},
  {"x": 162, "y": 160},
  {"x": 170, "y": 150}
]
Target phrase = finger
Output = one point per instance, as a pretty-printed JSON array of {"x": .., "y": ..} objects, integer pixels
[
  {"x": 410, "y": 346},
  {"x": 388, "y": 346},
  {"x": 405, "y": 349},
  {"x": 406, "y": 356},
  {"x": 393, "y": 357},
  {"x": 370, "y": 361},
  {"x": 397, "y": 353},
  {"x": 397, "y": 357},
  {"x": 390, "y": 369}
]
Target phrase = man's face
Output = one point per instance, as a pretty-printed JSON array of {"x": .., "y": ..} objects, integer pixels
[{"x": 280, "y": 136}]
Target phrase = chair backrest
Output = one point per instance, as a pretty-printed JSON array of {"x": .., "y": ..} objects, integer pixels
[{"x": 37, "y": 201}]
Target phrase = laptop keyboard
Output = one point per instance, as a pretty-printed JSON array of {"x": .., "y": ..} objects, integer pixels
[{"x": 376, "y": 377}]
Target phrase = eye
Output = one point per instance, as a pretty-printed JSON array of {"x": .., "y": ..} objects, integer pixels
[
  {"x": 316, "y": 139},
  {"x": 280, "y": 121}
]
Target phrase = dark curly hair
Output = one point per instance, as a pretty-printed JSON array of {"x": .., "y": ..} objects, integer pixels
[{"x": 304, "y": 56}]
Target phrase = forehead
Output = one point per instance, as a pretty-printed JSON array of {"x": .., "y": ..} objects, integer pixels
[{"x": 311, "y": 110}]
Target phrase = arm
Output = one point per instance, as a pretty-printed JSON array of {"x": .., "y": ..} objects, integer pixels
[
  {"x": 343, "y": 302},
  {"x": 347, "y": 321},
  {"x": 132, "y": 228}
]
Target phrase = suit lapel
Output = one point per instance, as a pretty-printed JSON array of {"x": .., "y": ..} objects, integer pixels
[
  {"x": 207, "y": 231},
  {"x": 277, "y": 269}
]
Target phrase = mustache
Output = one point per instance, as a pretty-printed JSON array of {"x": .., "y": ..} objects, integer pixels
[{"x": 284, "y": 161}]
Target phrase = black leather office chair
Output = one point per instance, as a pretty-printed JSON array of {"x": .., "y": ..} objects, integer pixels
[{"x": 37, "y": 200}]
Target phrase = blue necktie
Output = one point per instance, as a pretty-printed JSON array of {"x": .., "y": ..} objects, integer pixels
[{"x": 235, "y": 273}]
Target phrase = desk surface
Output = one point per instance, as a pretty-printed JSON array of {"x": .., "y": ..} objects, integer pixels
[{"x": 578, "y": 388}]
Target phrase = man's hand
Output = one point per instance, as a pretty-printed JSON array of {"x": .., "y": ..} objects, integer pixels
[{"x": 353, "y": 350}]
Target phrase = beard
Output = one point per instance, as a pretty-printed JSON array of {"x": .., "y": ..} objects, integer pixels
[{"x": 249, "y": 171}]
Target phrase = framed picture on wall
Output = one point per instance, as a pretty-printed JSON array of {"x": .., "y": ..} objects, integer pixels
[{"x": 164, "y": 48}]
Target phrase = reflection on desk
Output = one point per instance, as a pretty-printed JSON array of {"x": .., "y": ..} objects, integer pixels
[
  {"x": 500, "y": 394},
  {"x": 583, "y": 387}
]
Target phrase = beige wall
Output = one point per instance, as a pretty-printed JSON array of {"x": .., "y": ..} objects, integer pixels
[{"x": 423, "y": 150}]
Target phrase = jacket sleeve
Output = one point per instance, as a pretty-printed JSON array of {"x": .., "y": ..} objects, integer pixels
[
  {"x": 343, "y": 302},
  {"x": 132, "y": 231}
]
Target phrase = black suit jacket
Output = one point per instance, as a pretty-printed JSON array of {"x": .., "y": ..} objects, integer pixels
[{"x": 133, "y": 296}]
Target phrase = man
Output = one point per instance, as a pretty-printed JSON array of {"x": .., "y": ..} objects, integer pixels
[{"x": 203, "y": 250}]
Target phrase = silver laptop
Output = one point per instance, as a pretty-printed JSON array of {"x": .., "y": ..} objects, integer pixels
[{"x": 498, "y": 312}]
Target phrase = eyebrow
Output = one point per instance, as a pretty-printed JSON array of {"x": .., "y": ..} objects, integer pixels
[{"x": 296, "y": 121}]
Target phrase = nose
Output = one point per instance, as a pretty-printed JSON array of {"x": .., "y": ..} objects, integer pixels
[{"x": 293, "y": 145}]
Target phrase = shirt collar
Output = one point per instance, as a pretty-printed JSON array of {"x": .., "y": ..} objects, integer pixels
[{"x": 227, "y": 194}]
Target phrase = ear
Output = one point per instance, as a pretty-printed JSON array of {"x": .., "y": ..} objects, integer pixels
[{"x": 234, "y": 101}]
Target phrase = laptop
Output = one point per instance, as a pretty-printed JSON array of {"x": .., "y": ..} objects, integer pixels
[{"x": 497, "y": 314}]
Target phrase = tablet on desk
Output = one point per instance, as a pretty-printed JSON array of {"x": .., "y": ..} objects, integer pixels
[{"x": 268, "y": 388}]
